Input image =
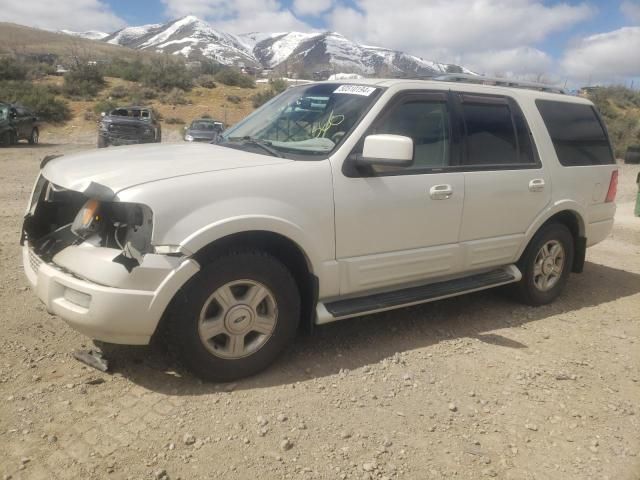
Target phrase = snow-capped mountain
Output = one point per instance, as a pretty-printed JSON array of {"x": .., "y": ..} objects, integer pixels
[
  {"x": 89, "y": 34},
  {"x": 292, "y": 52}
]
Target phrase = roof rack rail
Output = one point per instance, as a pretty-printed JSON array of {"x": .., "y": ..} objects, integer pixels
[{"x": 502, "y": 82}]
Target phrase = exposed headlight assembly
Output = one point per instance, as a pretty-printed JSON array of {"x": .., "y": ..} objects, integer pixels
[{"x": 126, "y": 226}]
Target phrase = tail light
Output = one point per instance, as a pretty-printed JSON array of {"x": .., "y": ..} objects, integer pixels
[{"x": 613, "y": 187}]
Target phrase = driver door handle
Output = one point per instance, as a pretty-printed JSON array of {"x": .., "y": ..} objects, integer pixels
[{"x": 441, "y": 192}]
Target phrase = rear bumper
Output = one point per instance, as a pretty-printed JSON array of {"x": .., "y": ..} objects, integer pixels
[
  {"x": 113, "y": 315},
  {"x": 598, "y": 231}
]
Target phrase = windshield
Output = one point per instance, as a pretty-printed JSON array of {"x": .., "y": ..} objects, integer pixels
[
  {"x": 131, "y": 112},
  {"x": 307, "y": 120},
  {"x": 200, "y": 125}
]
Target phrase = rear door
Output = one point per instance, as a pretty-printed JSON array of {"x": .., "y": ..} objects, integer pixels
[{"x": 506, "y": 187}]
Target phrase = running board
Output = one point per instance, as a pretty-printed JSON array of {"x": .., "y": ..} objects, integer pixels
[{"x": 339, "y": 309}]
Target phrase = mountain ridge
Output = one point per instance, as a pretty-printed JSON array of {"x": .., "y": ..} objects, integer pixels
[{"x": 302, "y": 53}]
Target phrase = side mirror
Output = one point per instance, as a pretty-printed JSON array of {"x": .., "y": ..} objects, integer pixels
[{"x": 387, "y": 150}]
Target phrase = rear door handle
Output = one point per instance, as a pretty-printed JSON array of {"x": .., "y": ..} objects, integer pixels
[
  {"x": 536, "y": 185},
  {"x": 441, "y": 192}
]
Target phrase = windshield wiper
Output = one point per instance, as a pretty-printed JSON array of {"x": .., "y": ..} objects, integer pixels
[{"x": 264, "y": 144}]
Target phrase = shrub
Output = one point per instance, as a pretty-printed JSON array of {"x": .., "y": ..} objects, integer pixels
[
  {"x": 134, "y": 71},
  {"x": 119, "y": 91},
  {"x": 235, "y": 99},
  {"x": 36, "y": 97},
  {"x": 11, "y": 69},
  {"x": 618, "y": 106},
  {"x": 175, "y": 97},
  {"x": 83, "y": 81},
  {"x": 207, "y": 81},
  {"x": 174, "y": 121},
  {"x": 168, "y": 73},
  {"x": 276, "y": 86},
  {"x": 104, "y": 105},
  {"x": 234, "y": 78}
]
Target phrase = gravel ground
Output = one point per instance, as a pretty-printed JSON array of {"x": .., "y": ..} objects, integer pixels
[{"x": 472, "y": 387}]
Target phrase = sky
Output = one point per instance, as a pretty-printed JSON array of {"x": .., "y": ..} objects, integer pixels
[{"x": 579, "y": 42}]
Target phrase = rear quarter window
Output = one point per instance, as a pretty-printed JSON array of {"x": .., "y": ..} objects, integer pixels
[{"x": 578, "y": 136}]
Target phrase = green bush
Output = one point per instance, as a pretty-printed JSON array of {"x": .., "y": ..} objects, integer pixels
[
  {"x": 119, "y": 91},
  {"x": 104, "y": 105},
  {"x": 168, "y": 73},
  {"x": 276, "y": 86},
  {"x": 134, "y": 71},
  {"x": 207, "y": 81},
  {"x": 36, "y": 97},
  {"x": 11, "y": 69},
  {"x": 83, "y": 81},
  {"x": 234, "y": 78}
]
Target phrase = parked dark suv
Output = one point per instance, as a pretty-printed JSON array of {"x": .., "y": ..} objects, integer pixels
[
  {"x": 18, "y": 123},
  {"x": 203, "y": 130},
  {"x": 129, "y": 125}
]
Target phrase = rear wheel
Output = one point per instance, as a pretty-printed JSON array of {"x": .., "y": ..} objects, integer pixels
[
  {"x": 545, "y": 265},
  {"x": 34, "y": 137},
  {"x": 236, "y": 316}
]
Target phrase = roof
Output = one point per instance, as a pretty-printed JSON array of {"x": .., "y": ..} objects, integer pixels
[{"x": 461, "y": 86}]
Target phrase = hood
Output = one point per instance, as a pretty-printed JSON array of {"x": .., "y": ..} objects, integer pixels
[
  {"x": 114, "y": 169},
  {"x": 202, "y": 133},
  {"x": 126, "y": 120}
]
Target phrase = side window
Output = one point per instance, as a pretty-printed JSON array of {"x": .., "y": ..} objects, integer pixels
[
  {"x": 577, "y": 134},
  {"x": 495, "y": 132},
  {"x": 427, "y": 123},
  {"x": 490, "y": 134}
]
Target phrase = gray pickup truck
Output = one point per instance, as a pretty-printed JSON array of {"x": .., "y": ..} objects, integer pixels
[{"x": 17, "y": 123}]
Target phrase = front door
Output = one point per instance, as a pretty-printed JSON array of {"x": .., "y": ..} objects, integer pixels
[{"x": 396, "y": 227}]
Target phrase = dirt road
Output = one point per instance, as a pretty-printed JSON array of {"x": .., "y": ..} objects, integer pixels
[{"x": 472, "y": 387}]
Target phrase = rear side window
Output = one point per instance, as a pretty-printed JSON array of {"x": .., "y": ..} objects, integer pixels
[
  {"x": 578, "y": 135},
  {"x": 495, "y": 132}
]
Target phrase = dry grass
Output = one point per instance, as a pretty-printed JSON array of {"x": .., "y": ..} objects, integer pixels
[{"x": 25, "y": 40}]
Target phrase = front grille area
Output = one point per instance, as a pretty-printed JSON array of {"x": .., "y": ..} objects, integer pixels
[
  {"x": 34, "y": 261},
  {"x": 125, "y": 131}
]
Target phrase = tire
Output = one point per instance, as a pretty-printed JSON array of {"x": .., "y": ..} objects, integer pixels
[
  {"x": 201, "y": 327},
  {"x": 34, "y": 137},
  {"x": 102, "y": 142},
  {"x": 553, "y": 264}
]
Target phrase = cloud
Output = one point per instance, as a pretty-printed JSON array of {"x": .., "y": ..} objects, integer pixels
[
  {"x": 452, "y": 30},
  {"x": 512, "y": 62},
  {"x": 238, "y": 16},
  {"x": 79, "y": 15},
  {"x": 631, "y": 10},
  {"x": 607, "y": 56},
  {"x": 311, "y": 7}
]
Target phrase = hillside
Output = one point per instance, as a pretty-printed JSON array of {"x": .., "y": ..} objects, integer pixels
[
  {"x": 18, "y": 39},
  {"x": 620, "y": 108}
]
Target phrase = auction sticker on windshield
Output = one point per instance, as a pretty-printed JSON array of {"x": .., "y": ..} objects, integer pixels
[{"x": 355, "y": 90}]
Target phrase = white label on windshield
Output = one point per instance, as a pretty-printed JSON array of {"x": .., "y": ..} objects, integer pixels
[{"x": 355, "y": 90}]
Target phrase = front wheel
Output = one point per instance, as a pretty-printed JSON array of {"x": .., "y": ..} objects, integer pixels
[
  {"x": 545, "y": 265},
  {"x": 235, "y": 316},
  {"x": 34, "y": 137}
]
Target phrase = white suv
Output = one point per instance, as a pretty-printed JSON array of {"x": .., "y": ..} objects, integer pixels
[{"x": 331, "y": 201}]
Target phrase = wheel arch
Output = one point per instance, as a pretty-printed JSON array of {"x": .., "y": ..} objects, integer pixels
[
  {"x": 279, "y": 246},
  {"x": 573, "y": 220}
]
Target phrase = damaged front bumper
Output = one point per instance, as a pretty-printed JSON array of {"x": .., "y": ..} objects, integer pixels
[
  {"x": 110, "y": 287},
  {"x": 112, "y": 314}
]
